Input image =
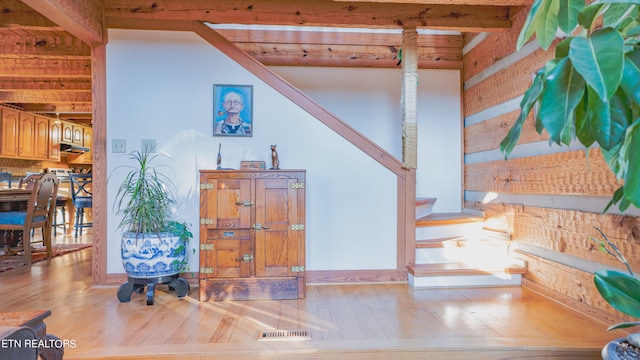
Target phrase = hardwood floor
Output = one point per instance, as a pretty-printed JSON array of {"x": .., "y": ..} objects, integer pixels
[{"x": 369, "y": 321}]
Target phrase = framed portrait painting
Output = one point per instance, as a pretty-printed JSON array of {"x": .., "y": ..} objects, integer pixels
[{"x": 232, "y": 110}]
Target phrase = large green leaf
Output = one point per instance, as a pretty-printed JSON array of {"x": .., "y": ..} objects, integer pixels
[
  {"x": 630, "y": 82},
  {"x": 637, "y": 2},
  {"x": 528, "y": 102},
  {"x": 530, "y": 24},
  {"x": 548, "y": 24},
  {"x": 616, "y": 14},
  {"x": 568, "y": 14},
  {"x": 609, "y": 120},
  {"x": 583, "y": 128},
  {"x": 632, "y": 176},
  {"x": 620, "y": 290},
  {"x": 589, "y": 14},
  {"x": 564, "y": 88},
  {"x": 600, "y": 60}
]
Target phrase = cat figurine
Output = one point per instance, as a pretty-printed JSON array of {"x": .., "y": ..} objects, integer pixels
[{"x": 275, "y": 163}]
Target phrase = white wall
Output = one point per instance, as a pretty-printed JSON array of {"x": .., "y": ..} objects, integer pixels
[
  {"x": 369, "y": 100},
  {"x": 160, "y": 86}
]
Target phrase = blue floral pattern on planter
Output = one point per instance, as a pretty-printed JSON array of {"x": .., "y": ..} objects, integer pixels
[{"x": 152, "y": 255}]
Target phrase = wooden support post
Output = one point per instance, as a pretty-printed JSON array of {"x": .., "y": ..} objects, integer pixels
[{"x": 409, "y": 97}]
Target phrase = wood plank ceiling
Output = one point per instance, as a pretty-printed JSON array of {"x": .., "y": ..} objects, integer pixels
[{"x": 45, "y": 69}]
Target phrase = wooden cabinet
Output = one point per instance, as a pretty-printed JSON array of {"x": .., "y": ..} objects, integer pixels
[
  {"x": 41, "y": 138},
  {"x": 87, "y": 141},
  {"x": 71, "y": 133},
  {"x": 252, "y": 237},
  {"x": 26, "y": 138},
  {"x": 9, "y": 132},
  {"x": 55, "y": 134}
]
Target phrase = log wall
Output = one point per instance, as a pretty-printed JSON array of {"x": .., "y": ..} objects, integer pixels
[{"x": 549, "y": 198}]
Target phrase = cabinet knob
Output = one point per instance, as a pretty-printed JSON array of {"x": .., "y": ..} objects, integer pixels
[
  {"x": 259, "y": 226},
  {"x": 245, "y": 203},
  {"x": 246, "y": 258}
]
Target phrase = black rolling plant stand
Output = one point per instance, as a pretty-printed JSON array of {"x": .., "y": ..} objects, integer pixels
[{"x": 175, "y": 282}]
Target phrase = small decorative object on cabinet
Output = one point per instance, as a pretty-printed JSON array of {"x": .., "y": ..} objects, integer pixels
[
  {"x": 252, "y": 236},
  {"x": 275, "y": 162}
]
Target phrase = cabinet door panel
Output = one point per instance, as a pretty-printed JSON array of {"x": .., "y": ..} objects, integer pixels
[
  {"x": 276, "y": 210},
  {"x": 41, "y": 140},
  {"x": 26, "y": 134},
  {"x": 225, "y": 257},
  {"x": 225, "y": 203},
  {"x": 9, "y": 132}
]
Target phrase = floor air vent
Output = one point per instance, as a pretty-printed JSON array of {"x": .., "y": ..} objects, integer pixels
[{"x": 283, "y": 335}]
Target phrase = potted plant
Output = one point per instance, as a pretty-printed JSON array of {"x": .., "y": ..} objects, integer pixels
[
  {"x": 153, "y": 246},
  {"x": 590, "y": 91},
  {"x": 622, "y": 291}
]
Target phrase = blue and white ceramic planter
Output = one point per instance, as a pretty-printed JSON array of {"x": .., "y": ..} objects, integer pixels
[{"x": 151, "y": 255}]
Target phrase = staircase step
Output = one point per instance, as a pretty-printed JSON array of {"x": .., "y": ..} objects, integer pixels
[
  {"x": 460, "y": 268},
  {"x": 439, "y": 219},
  {"x": 459, "y": 241},
  {"x": 424, "y": 206},
  {"x": 464, "y": 275}
]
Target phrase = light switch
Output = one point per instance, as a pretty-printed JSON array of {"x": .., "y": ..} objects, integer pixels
[
  {"x": 148, "y": 144},
  {"x": 118, "y": 146}
]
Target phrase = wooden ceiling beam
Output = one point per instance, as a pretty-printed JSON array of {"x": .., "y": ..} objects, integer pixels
[
  {"x": 82, "y": 18},
  {"x": 39, "y": 96},
  {"x": 17, "y": 15},
  {"x": 69, "y": 109},
  {"x": 348, "y": 55},
  {"x": 337, "y": 38},
  {"x": 450, "y": 2},
  {"x": 59, "y": 84},
  {"x": 316, "y": 13},
  {"x": 45, "y": 68},
  {"x": 43, "y": 45}
]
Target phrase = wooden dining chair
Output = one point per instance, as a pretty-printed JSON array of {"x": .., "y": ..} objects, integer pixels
[
  {"x": 82, "y": 198},
  {"x": 29, "y": 181},
  {"x": 38, "y": 214},
  {"x": 5, "y": 176}
]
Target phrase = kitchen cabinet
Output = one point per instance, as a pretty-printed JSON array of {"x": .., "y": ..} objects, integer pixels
[
  {"x": 41, "y": 138},
  {"x": 26, "y": 139},
  {"x": 252, "y": 234},
  {"x": 87, "y": 141},
  {"x": 55, "y": 135},
  {"x": 9, "y": 132},
  {"x": 72, "y": 133}
]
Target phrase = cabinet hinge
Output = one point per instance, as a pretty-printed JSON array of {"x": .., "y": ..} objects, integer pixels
[
  {"x": 206, "y": 270},
  {"x": 297, "y": 269},
  {"x": 207, "y": 247},
  {"x": 297, "y": 227},
  {"x": 207, "y": 186},
  {"x": 297, "y": 185},
  {"x": 206, "y": 221}
]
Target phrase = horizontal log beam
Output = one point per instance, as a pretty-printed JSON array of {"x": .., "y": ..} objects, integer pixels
[
  {"x": 348, "y": 56},
  {"x": 82, "y": 18},
  {"x": 49, "y": 44},
  {"x": 26, "y": 96},
  {"x": 43, "y": 68},
  {"x": 59, "y": 84},
  {"x": 337, "y": 38},
  {"x": 317, "y": 13},
  {"x": 450, "y": 2}
]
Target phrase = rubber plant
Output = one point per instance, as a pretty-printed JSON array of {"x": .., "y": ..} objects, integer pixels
[
  {"x": 590, "y": 93},
  {"x": 590, "y": 90},
  {"x": 621, "y": 290}
]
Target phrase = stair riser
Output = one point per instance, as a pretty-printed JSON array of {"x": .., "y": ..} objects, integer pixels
[
  {"x": 461, "y": 254},
  {"x": 464, "y": 281},
  {"x": 471, "y": 230}
]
